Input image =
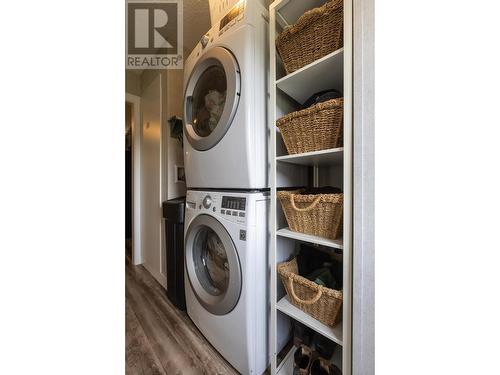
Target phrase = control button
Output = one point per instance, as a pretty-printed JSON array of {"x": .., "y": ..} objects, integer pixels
[
  {"x": 243, "y": 235},
  {"x": 228, "y": 212},
  {"x": 213, "y": 209},
  {"x": 235, "y": 213},
  {"x": 199, "y": 206},
  {"x": 204, "y": 40},
  {"x": 207, "y": 202},
  {"x": 242, "y": 214},
  {"x": 223, "y": 211}
]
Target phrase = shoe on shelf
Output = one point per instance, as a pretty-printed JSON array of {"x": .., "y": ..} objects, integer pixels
[
  {"x": 302, "y": 359},
  {"x": 322, "y": 366}
]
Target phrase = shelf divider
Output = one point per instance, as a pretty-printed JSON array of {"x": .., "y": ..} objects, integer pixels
[
  {"x": 286, "y": 232},
  {"x": 323, "y": 74},
  {"x": 335, "y": 334},
  {"x": 332, "y": 156}
]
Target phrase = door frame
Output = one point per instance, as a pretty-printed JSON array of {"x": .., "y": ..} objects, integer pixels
[
  {"x": 135, "y": 101},
  {"x": 363, "y": 280}
]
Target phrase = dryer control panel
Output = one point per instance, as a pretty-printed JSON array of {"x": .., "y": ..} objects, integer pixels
[{"x": 234, "y": 15}]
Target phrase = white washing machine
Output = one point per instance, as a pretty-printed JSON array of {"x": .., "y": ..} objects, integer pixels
[
  {"x": 225, "y": 103},
  {"x": 226, "y": 259}
]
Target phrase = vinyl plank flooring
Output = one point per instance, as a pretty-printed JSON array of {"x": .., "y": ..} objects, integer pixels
[
  {"x": 172, "y": 339},
  {"x": 139, "y": 355}
]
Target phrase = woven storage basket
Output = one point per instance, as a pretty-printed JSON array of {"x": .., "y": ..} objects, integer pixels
[
  {"x": 316, "y": 128},
  {"x": 323, "y": 304},
  {"x": 316, "y": 214},
  {"x": 317, "y": 33}
]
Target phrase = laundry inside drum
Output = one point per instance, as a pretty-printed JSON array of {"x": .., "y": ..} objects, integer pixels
[{"x": 209, "y": 99}]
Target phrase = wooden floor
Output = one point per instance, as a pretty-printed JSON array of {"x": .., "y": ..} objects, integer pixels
[{"x": 159, "y": 338}]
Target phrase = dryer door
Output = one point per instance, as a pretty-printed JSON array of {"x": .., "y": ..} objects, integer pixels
[
  {"x": 211, "y": 98},
  {"x": 212, "y": 265}
]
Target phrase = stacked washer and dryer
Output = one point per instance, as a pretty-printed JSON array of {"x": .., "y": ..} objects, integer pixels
[{"x": 227, "y": 175}]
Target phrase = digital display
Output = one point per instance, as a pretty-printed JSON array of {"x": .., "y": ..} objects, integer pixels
[
  {"x": 234, "y": 203},
  {"x": 232, "y": 14}
]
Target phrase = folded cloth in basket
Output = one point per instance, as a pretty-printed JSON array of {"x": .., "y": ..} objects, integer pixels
[
  {"x": 320, "y": 97},
  {"x": 321, "y": 190}
]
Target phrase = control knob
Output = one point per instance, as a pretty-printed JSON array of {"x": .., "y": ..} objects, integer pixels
[
  {"x": 207, "y": 202},
  {"x": 204, "y": 40}
]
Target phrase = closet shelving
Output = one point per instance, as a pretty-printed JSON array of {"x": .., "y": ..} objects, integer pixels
[
  {"x": 333, "y": 156},
  {"x": 334, "y": 334},
  {"x": 286, "y": 232},
  {"x": 325, "y": 73},
  {"x": 320, "y": 168}
]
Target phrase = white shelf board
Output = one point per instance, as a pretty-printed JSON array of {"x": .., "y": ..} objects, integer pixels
[
  {"x": 286, "y": 232},
  {"x": 286, "y": 366},
  {"x": 334, "y": 334},
  {"x": 288, "y": 12},
  {"x": 332, "y": 156},
  {"x": 323, "y": 74}
]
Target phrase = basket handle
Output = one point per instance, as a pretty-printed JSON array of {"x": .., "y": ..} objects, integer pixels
[
  {"x": 311, "y": 206},
  {"x": 297, "y": 299}
]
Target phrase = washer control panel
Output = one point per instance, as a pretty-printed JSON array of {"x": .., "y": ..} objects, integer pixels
[
  {"x": 233, "y": 206},
  {"x": 228, "y": 207}
]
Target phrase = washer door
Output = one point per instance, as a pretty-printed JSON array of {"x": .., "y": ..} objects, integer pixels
[
  {"x": 212, "y": 265},
  {"x": 211, "y": 98}
]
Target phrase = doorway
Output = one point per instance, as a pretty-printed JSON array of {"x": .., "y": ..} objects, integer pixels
[
  {"x": 128, "y": 180},
  {"x": 133, "y": 244}
]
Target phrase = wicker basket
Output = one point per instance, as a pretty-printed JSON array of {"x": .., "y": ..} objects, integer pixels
[
  {"x": 323, "y": 304},
  {"x": 316, "y": 128},
  {"x": 316, "y": 214},
  {"x": 317, "y": 33}
]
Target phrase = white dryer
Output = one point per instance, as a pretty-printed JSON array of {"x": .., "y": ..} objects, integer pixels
[
  {"x": 225, "y": 103},
  {"x": 226, "y": 278}
]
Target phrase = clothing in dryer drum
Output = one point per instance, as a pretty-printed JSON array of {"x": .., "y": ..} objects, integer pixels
[{"x": 209, "y": 98}]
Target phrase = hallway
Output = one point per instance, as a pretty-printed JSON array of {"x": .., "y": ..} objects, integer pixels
[{"x": 161, "y": 340}]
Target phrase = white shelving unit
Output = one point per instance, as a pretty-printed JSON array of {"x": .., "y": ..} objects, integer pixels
[
  {"x": 334, "y": 334},
  {"x": 333, "y": 156},
  {"x": 286, "y": 232},
  {"x": 326, "y": 167},
  {"x": 286, "y": 366},
  {"x": 323, "y": 74}
]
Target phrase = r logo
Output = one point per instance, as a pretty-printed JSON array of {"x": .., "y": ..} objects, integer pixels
[{"x": 154, "y": 34}]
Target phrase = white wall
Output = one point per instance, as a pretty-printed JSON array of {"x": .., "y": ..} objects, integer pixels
[
  {"x": 132, "y": 82},
  {"x": 151, "y": 189},
  {"x": 161, "y": 99},
  {"x": 174, "y": 107}
]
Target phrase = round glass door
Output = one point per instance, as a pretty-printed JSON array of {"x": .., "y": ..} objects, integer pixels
[
  {"x": 211, "y": 98},
  {"x": 210, "y": 258},
  {"x": 212, "y": 265}
]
